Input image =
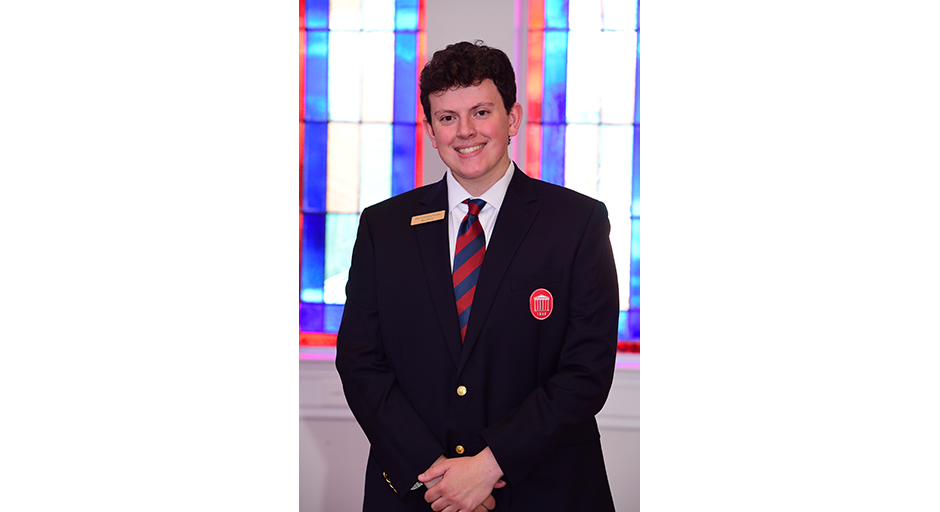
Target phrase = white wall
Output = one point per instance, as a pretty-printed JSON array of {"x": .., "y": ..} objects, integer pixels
[
  {"x": 333, "y": 449},
  {"x": 494, "y": 22}
]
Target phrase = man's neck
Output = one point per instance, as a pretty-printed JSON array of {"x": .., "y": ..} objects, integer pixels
[{"x": 478, "y": 188}]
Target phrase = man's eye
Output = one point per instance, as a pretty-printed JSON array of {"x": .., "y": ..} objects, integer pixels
[
  {"x": 482, "y": 112},
  {"x": 446, "y": 118}
]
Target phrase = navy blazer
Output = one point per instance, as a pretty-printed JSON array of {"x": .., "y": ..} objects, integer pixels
[{"x": 527, "y": 388}]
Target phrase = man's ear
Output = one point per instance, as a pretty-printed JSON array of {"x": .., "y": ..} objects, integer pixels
[
  {"x": 515, "y": 119},
  {"x": 428, "y": 129}
]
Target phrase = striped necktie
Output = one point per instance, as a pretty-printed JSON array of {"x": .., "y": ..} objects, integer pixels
[{"x": 471, "y": 245}]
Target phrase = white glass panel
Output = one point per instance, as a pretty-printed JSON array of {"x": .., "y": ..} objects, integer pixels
[
  {"x": 345, "y": 15},
  {"x": 378, "y": 14},
  {"x": 615, "y": 188},
  {"x": 617, "y": 82},
  {"x": 619, "y": 14},
  {"x": 615, "y": 170},
  {"x": 342, "y": 168},
  {"x": 584, "y": 15},
  {"x": 378, "y": 76},
  {"x": 586, "y": 61},
  {"x": 311, "y": 295},
  {"x": 340, "y": 238},
  {"x": 375, "y": 164},
  {"x": 581, "y": 147},
  {"x": 344, "y": 80},
  {"x": 334, "y": 288}
]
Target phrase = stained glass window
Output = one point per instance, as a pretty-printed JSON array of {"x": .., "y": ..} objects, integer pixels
[
  {"x": 583, "y": 127},
  {"x": 362, "y": 141},
  {"x": 361, "y": 137}
]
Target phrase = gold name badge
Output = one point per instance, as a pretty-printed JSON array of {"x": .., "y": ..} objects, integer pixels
[{"x": 427, "y": 217}]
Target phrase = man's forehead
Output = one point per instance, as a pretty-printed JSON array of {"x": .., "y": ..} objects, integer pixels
[
  {"x": 458, "y": 91},
  {"x": 457, "y": 87}
]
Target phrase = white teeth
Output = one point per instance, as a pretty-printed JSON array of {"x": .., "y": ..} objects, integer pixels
[{"x": 465, "y": 151}]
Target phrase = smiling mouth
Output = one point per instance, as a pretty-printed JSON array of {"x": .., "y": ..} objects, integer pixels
[{"x": 467, "y": 151}]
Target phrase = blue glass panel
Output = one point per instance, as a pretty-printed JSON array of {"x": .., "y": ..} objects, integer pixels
[
  {"x": 553, "y": 153},
  {"x": 318, "y": 13},
  {"x": 636, "y": 100},
  {"x": 315, "y": 139},
  {"x": 635, "y": 264},
  {"x": 622, "y": 324},
  {"x": 403, "y": 157},
  {"x": 315, "y": 77},
  {"x": 633, "y": 329},
  {"x": 556, "y": 14},
  {"x": 332, "y": 316},
  {"x": 311, "y": 317},
  {"x": 556, "y": 71},
  {"x": 638, "y": 20},
  {"x": 406, "y": 56},
  {"x": 406, "y": 15},
  {"x": 311, "y": 264},
  {"x": 635, "y": 200},
  {"x": 634, "y": 319}
]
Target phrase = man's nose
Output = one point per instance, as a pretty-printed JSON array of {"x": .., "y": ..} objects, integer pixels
[{"x": 465, "y": 128}]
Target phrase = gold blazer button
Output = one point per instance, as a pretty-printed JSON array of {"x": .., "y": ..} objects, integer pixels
[
  {"x": 462, "y": 390},
  {"x": 459, "y": 450}
]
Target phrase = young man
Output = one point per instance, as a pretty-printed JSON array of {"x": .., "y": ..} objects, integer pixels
[{"x": 480, "y": 330}]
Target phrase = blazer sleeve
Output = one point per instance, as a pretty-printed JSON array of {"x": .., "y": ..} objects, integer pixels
[
  {"x": 402, "y": 444},
  {"x": 560, "y": 408}
]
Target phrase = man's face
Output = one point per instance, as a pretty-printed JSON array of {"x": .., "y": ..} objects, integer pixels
[{"x": 470, "y": 129}]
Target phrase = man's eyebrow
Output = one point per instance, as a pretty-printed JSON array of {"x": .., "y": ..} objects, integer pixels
[{"x": 488, "y": 104}]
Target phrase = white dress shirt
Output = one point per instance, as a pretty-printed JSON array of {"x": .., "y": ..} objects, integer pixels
[{"x": 456, "y": 211}]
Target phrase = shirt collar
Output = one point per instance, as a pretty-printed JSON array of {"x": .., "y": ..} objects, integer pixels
[{"x": 493, "y": 196}]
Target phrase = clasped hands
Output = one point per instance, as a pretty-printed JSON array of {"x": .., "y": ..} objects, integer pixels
[{"x": 464, "y": 484}]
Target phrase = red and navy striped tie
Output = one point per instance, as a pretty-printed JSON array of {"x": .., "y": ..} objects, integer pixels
[{"x": 471, "y": 245}]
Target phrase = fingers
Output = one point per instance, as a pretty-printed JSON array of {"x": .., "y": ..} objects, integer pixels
[
  {"x": 431, "y": 496},
  {"x": 500, "y": 484},
  {"x": 465, "y": 486},
  {"x": 488, "y": 504},
  {"x": 435, "y": 471}
]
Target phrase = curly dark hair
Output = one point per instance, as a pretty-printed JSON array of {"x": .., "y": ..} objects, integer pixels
[{"x": 465, "y": 64}]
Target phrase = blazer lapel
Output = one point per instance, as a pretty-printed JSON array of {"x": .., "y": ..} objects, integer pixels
[
  {"x": 515, "y": 217},
  {"x": 434, "y": 248}
]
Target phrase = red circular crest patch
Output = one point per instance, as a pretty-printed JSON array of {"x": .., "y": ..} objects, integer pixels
[{"x": 541, "y": 303}]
